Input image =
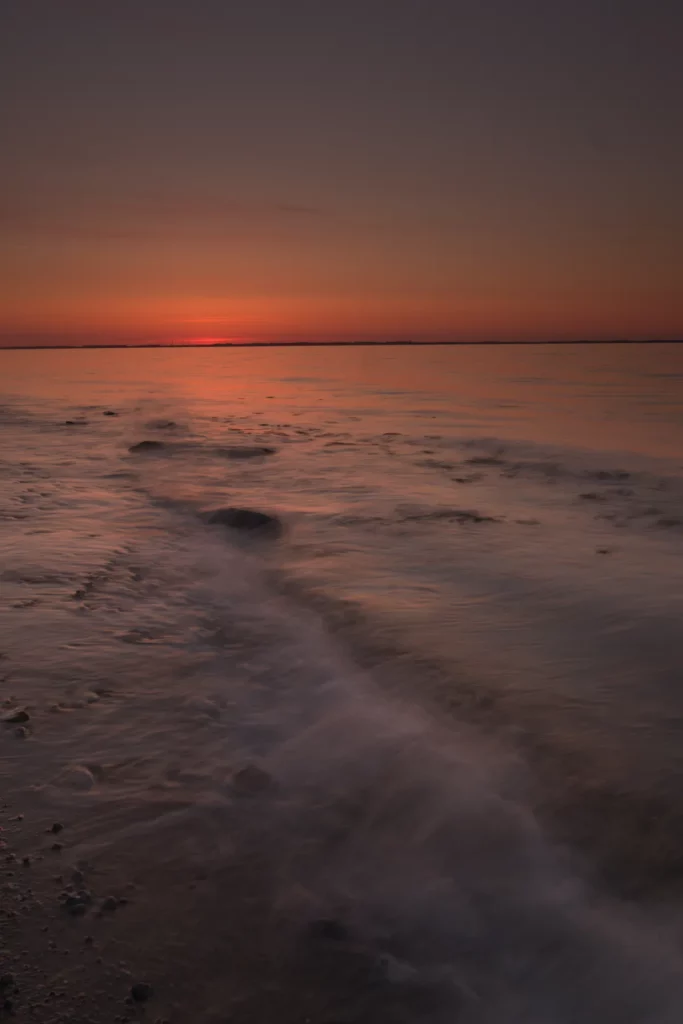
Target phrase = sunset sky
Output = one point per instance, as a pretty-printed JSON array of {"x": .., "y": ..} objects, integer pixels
[{"x": 318, "y": 170}]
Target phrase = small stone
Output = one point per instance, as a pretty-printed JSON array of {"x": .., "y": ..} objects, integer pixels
[
  {"x": 57, "y": 847},
  {"x": 109, "y": 412},
  {"x": 243, "y": 452},
  {"x": 26, "y": 861},
  {"x": 16, "y": 715},
  {"x": 56, "y": 828},
  {"x": 203, "y": 706},
  {"x": 109, "y": 903},
  {"x": 141, "y": 991},
  {"x": 21, "y": 733},
  {"x": 76, "y": 908},
  {"x": 395, "y": 971},
  {"x": 7, "y": 981},
  {"x": 245, "y": 519},
  {"x": 252, "y": 779},
  {"x": 146, "y": 446},
  {"x": 77, "y": 777}
]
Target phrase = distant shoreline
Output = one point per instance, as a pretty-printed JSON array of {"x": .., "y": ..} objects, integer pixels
[{"x": 339, "y": 344}]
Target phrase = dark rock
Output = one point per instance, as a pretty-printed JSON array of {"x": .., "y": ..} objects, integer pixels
[
  {"x": 252, "y": 779},
  {"x": 56, "y": 827},
  {"x": 76, "y": 905},
  {"x": 21, "y": 732},
  {"x": 26, "y": 861},
  {"x": 486, "y": 460},
  {"x": 75, "y": 423},
  {"x": 147, "y": 446},
  {"x": 109, "y": 412},
  {"x": 6, "y": 981},
  {"x": 141, "y": 991},
  {"x": 109, "y": 903},
  {"x": 16, "y": 716},
  {"x": 244, "y": 452},
  {"x": 591, "y": 496},
  {"x": 56, "y": 847},
  {"x": 245, "y": 519}
]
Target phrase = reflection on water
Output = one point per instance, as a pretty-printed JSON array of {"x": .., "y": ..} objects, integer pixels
[{"x": 620, "y": 397}]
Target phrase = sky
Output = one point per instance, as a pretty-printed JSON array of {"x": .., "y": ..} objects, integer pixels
[{"x": 189, "y": 170}]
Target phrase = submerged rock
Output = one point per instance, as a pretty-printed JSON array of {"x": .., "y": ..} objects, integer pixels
[
  {"x": 16, "y": 716},
  {"x": 203, "y": 707},
  {"x": 244, "y": 452},
  {"x": 77, "y": 777},
  {"x": 147, "y": 446},
  {"x": 252, "y": 779},
  {"x": 486, "y": 460},
  {"x": 245, "y": 519},
  {"x": 141, "y": 991}
]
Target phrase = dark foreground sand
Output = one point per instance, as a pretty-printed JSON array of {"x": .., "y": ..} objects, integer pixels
[{"x": 184, "y": 915}]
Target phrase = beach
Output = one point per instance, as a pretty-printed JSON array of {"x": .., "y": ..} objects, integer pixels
[{"x": 406, "y": 748}]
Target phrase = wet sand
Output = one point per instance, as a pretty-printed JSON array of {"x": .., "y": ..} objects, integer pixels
[{"x": 412, "y": 753}]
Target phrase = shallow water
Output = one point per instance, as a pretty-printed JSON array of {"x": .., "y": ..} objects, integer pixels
[{"x": 460, "y": 664}]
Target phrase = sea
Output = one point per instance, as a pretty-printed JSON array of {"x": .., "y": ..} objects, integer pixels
[{"x": 447, "y": 672}]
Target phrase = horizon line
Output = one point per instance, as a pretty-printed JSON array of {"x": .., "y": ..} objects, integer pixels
[{"x": 336, "y": 344}]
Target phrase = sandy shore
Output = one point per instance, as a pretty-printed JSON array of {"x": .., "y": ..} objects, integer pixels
[{"x": 177, "y": 920}]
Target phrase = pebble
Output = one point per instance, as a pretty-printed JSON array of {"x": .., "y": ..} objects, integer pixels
[
  {"x": 146, "y": 446},
  {"x": 252, "y": 779},
  {"x": 77, "y": 777},
  {"x": 245, "y": 519},
  {"x": 109, "y": 903},
  {"x": 56, "y": 827},
  {"x": 203, "y": 706},
  {"x": 16, "y": 715},
  {"x": 141, "y": 991}
]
